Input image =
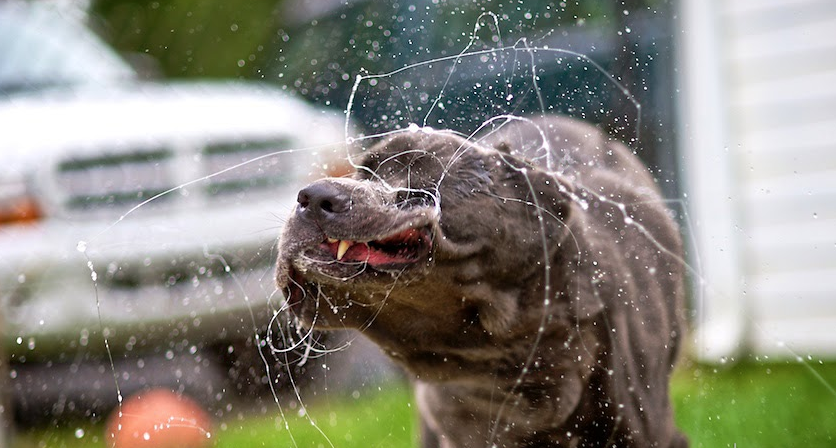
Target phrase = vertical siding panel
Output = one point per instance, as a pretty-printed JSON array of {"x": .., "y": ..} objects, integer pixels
[
  {"x": 710, "y": 181},
  {"x": 781, "y": 63}
]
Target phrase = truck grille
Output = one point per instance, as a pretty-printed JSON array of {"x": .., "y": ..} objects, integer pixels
[
  {"x": 115, "y": 182},
  {"x": 264, "y": 170}
]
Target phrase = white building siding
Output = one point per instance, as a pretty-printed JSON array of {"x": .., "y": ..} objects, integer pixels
[{"x": 777, "y": 65}]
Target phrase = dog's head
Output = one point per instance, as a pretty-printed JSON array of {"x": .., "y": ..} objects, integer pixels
[{"x": 430, "y": 231}]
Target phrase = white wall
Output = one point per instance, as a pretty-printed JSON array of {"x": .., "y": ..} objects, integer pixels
[{"x": 758, "y": 105}]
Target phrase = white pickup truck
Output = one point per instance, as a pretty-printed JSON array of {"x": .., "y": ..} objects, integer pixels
[
  {"x": 134, "y": 206},
  {"x": 144, "y": 214}
]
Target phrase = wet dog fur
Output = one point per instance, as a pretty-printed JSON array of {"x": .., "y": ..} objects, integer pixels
[{"x": 530, "y": 281}]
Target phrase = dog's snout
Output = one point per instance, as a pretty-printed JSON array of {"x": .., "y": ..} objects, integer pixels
[{"x": 323, "y": 198}]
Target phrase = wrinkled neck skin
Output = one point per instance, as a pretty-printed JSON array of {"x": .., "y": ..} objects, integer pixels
[
  {"x": 547, "y": 357},
  {"x": 486, "y": 375},
  {"x": 492, "y": 359}
]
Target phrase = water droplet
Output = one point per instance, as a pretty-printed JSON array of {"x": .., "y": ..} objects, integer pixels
[
  {"x": 81, "y": 246},
  {"x": 79, "y": 433},
  {"x": 413, "y": 127},
  {"x": 815, "y": 216}
]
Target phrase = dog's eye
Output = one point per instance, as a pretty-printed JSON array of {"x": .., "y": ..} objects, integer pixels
[{"x": 414, "y": 198}]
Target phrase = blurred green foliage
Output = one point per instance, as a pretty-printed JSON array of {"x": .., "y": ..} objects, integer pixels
[
  {"x": 316, "y": 49},
  {"x": 293, "y": 40},
  {"x": 191, "y": 38}
]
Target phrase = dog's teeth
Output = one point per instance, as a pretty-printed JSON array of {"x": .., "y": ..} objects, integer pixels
[
  {"x": 332, "y": 240},
  {"x": 342, "y": 248}
]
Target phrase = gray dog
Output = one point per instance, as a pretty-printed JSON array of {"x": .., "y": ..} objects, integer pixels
[{"x": 531, "y": 281}]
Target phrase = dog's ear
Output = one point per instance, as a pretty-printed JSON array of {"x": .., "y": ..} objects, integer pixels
[
  {"x": 497, "y": 309},
  {"x": 552, "y": 191},
  {"x": 503, "y": 146},
  {"x": 546, "y": 195}
]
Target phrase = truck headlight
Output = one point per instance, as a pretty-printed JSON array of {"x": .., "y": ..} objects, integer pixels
[{"x": 17, "y": 203}]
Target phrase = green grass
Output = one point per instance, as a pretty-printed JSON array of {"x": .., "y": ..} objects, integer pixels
[
  {"x": 757, "y": 405},
  {"x": 382, "y": 419},
  {"x": 746, "y": 405}
]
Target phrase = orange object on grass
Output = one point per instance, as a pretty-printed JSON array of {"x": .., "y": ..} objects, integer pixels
[{"x": 158, "y": 419}]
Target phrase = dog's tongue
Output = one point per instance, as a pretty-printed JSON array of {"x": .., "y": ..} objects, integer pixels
[
  {"x": 347, "y": 251},
  {"x": 398, "y": 249}
]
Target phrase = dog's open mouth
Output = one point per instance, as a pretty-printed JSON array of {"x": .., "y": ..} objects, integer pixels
[
  {"x": 401, "y": 248},
  {"x": 392, "y": 252}
]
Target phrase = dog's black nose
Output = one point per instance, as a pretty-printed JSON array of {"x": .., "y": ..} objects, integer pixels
[{"x": 323, "y": 198}]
